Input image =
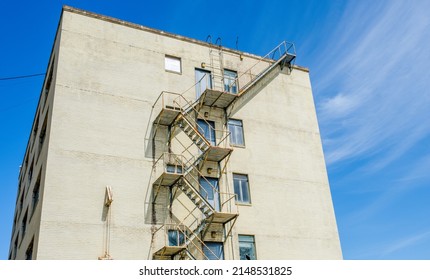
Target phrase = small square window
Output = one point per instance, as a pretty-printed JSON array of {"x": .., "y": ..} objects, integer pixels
[
  {"x": 172, "y": 64},
  {"x": 247, "y": 247},
  {"x": 241, "y": 188},
  {"x": 170, "y": 168},
  {"x": 236, "y": 132}
]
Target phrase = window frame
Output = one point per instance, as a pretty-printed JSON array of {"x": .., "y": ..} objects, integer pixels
[
  {"x": 207, "y": 126},
  {"x": 231, "y": 77},
  {"x": 30, "y": 250},
  {"x": 208, "y": 245},
  {"x": 248, "y": 189},
  {"x": 42, "y": 135},
  {"x": 35, "y": 198},
  {"x": 166, "y": 57},
  {"x": 176, "y": 238},
  {"x": 24, "y": 224},
  {"x": 231, "y": 132},
  {"x": 205, "y": 76},
  {"x": 247, "y": 242},
  {"x": 174, "y": 169}
]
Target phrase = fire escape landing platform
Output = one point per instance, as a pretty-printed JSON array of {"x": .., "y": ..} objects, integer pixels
[
  {"x": 167, "y": 179},
  {"x": 217, "y": 98},
  {"x": 168, "y": 251},
  {"x": 217, "y": 154},
  {"x": 222, "y": 217},
  {"x": 167, "y": 115}
]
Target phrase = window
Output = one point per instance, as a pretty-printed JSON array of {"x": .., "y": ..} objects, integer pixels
[
  {"x": 176, "y": 238},
  {"x": 36, "y": 124},
  {"x": 26, "y": 163},
  {"x": 29, "y": 252},
  {"x": 43, "y": 133},
  {"x": 209, "y": 190},
  {"x": 35, "y": 198},
  {"x": 49, "y": 80},
  {"x": 24, "y": 223},
  {"x": 20, "y": 184},
  {"x": 30, "y": 172},
  {"x": 172, "y": 64},
  {"x": 247, "y": 247},
  {"x": 236, "y": 132},
  {"x": 213, "y": 250},
  {"x": 241, "y": 188},
  {"x": 171, "y": 168},
  {"x": 203, "y": 81},
  {"x": 207, "y": 129},
  {"x": 15, "y": 246},
  {"x": 21, "y": 201},
  {"x": 230, "y": 81}
]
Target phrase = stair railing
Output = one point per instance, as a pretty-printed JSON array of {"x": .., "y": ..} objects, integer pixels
[
  {"x": 189, "y": 107},
  {"x": 281, "y": 50}
]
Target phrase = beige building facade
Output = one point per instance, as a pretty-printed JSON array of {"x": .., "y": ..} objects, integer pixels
[{"x": 150, "y": 145}]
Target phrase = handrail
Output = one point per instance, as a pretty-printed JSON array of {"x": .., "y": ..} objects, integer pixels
[
  {"x": 196, "y": 220},
  {"x": 186, "y": 149},
  {"x": 199, "y": 240},
  {"x": 188, "y": 234},
  {"x": 230, "y": 196},
  {"x": 199, "y": 194},
  {"x": 283, "y": 48},
  {"x": 220, "y": 194},
  {"x": 164, "y": 230},
  {"x": 191, "y": 107},
  {"x": 170, "y": 155},
  {"x": 270, "y": 58},
  {"x": 186, "y": 107},
  {"x": 187, "y": 175},
  {"x": 197, "y": 131},
  {"x": 161, "y": 95}
]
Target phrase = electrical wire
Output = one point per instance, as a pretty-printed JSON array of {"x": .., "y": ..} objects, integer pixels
[{"x": 21, "y": 77}]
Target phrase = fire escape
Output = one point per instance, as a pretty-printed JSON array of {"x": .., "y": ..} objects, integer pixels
[{"x": 197, "y": 210}]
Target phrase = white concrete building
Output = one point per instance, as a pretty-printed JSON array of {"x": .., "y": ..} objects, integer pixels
[{"x": 150, "y": 145}]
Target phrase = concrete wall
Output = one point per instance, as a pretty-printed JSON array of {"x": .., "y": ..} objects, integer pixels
[
  {"x": 284, "y": 161},
  {"x": 107, "y": 80}
]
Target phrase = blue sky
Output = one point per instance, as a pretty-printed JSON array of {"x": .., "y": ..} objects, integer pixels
[{"x": 368, "y": 63}]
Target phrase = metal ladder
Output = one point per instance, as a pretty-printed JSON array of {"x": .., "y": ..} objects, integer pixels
[{"x": 216, "y": 65}]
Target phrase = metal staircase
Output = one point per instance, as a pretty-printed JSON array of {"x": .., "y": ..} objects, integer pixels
[
  {"x": 282, "y": 55},
  {"x": 181, "y": 173},
  {"x": 194, "y": 134},
  {"x": 196, "y": 197}
]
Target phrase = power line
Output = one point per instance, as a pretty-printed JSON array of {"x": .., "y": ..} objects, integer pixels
[{"x": 21, "y": 77}]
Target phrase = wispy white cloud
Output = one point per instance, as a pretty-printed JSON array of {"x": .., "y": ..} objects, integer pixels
[
  {"x": 339, "y": 105},
  {"x": 379, "y": 76},
  {"x": 403, "y": 243},
  {"x": 388, "y": 248}
]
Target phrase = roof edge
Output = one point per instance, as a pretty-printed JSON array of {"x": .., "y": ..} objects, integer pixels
[{"x": 160, "y": 32}]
